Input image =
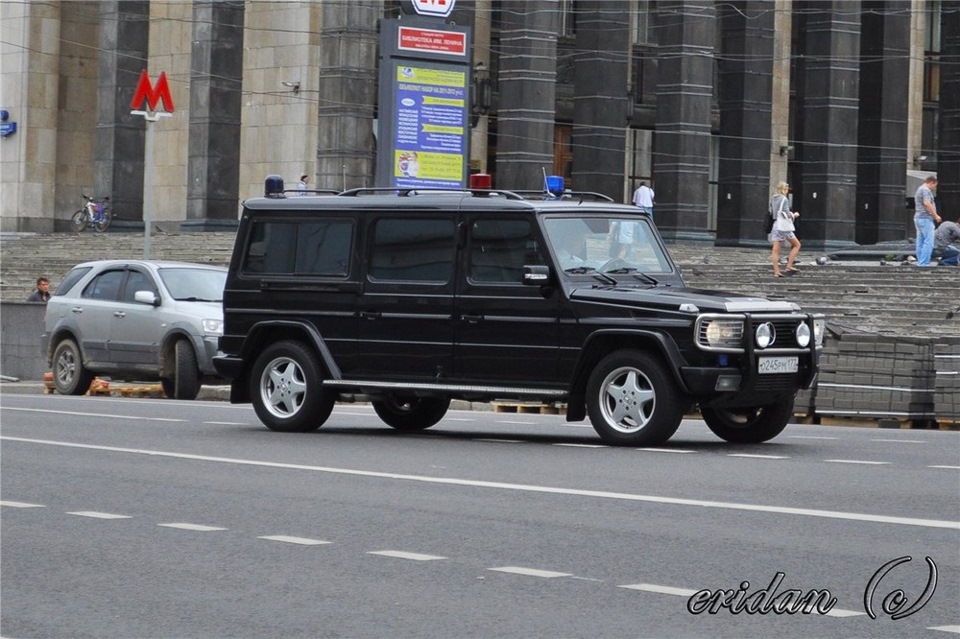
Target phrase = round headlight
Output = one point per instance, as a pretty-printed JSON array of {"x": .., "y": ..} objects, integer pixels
[
  {"x": 803, "y": 335},
  {"x": 766, "y": 334}
]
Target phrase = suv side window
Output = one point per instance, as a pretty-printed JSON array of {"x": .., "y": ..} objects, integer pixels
[
  {"x": 499, "y": 249},
  {"x": 71, "y": 279},
  {"x": 105, "y": 286},
  {"x": 138, "y": 281},
  {"x": 413, "y": 250},
  {"x": 317, "y": 247}
]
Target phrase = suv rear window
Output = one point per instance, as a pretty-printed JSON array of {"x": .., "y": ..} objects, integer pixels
[{"x": 317, "y": 247}]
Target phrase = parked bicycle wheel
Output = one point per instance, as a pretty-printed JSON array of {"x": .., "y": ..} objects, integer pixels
[
  {"x": 79, "y": 221},
  {"x": 102, "y": 223}
]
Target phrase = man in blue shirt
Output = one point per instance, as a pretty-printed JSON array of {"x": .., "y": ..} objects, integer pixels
[{"x": 925, "y": 219}]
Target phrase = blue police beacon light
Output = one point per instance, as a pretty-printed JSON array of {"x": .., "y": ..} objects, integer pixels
[
  {"x": 554, "y": 185},
  {"x": 273, "y": 186}
]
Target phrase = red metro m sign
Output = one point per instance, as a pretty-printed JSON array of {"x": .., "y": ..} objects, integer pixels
[{"x": 152, "y": 94}]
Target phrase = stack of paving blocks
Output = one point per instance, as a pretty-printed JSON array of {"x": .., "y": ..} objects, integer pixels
[
  {"x": 876, "y": 375},
  {"x": 946, "y": 396}
]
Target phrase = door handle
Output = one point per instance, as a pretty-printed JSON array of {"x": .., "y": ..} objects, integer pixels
[
  {"x": 120, "y": 314},
  {"x": 370, "y": 315},
  {"x": 76, "y": 309},
  {"x": 473, "y": 319}
]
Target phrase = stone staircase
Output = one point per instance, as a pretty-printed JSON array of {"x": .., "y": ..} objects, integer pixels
[{"x": 855, "y": 295}]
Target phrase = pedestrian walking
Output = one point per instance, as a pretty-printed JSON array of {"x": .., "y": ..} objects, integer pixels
[
  {"x": 783, "y": 230},
  {"x": 643, "y": 197},
  {"x": 302, "y": 187},
  {"x": 925, "y": 219},
  {"x": 42, "y": 294}
]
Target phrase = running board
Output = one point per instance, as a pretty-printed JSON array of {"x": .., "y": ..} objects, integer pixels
[{"x": 446, "y": 388}]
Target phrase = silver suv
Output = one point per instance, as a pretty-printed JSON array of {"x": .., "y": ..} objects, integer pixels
[{"x": 135, "y": 320}]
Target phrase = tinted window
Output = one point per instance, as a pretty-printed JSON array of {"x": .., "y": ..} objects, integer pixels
[
  {"x": 137, "y": 281},
  {"x": 500, "y": 248},
  {"x": 71, "y": 279},
  {"x": 413, "y": 250},
  {"x": 105, "y": 286},
  {"x": 318, "y": 247}
]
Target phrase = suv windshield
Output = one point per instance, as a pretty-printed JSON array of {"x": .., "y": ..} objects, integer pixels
[
  {"x": 613, "y": 245},
  {"x": 194, "y": 284}
]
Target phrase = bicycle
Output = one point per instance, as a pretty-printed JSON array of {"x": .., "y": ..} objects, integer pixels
[{"x": 94, "y": 213}]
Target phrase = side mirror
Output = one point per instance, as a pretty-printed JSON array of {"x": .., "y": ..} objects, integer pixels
[
  {"x": 146, "y": 297},
  {"x": 536, "y": 275}
]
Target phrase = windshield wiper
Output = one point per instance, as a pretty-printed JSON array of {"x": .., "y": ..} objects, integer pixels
[
  {"x": 640, "y": 275},
  {"x": 194, "y": 298}
]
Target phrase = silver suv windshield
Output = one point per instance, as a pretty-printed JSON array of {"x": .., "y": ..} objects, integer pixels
[
  {"x": 194, "y": 284},
  {"x": 613, "y": 245}
]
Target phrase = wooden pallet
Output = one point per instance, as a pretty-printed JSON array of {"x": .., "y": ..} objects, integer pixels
[{"x": 529, "y": 407}]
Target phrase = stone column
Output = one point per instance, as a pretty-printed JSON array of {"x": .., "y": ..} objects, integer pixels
[
  {"x": 948, "y": 132},
  {"x": 828, "y": 150},
  {"x": 600, "y": 97},
  {"x": 882, "y": 146},
  {"x": 346, "y": 148},
  {"x": 681, "y": 157},
  {"x": 746, "y": 112},
  {"x": 119, "y": 143},
  {"x": 216, "y": 75},
  {"x": 526, "y": 111},
  {"x": 479, "y": 135}
]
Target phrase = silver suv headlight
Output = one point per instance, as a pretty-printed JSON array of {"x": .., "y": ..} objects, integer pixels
[{"x": 212, "y": 327}]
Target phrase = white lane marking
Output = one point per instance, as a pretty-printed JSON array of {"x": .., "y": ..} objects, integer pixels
[
  {"x": 667, "y": 450},
  {"x": 399, "y": 554},
  {"x": 900, "y": 441},
  {"x": 947, "y": 467},
  {"x": 855, "y": 461},
  {"x": 663, "y": 590},
  {"x": 225, "y": 423},
  {"x": 530, "y": 572},
  {"x": 494, "y": 440},
  {"x": 20, "y": 504},
  {"x": 811, "y": 437},
  {"x": 458, "y": 419},
  {"x": 954, "y": 629},
  {"x": 303, "y": 541},
  {"x": 552, "y": 490},
  {"x": 582, "y": 445},
  {"x": 507, "y": 421},
  {"x": 687, "y": 593},
  {"x": 96, "y": 515},
  {"x": 749, "y": 456},
  {"x": 194, "y": 527},
  {"x": 108, "y": 415}
]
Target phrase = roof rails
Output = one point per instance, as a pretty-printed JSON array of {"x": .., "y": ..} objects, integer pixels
[
  {"x": 312, "y": 191},
  {"x": 567, "y": 195},
  {"x": 414, "y": 191}
]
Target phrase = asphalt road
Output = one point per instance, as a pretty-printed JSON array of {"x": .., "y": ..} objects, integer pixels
[{"x": 157, "y": 518}]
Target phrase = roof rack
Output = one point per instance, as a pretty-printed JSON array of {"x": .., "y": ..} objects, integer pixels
[
  {"x": 312, "y": 191},
  {"x": 410, "y": 191},
  {"x": 567, "y": 195}
]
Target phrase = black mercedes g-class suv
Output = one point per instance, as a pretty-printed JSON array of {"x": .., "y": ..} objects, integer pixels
[{"x": 411, "y": 298}]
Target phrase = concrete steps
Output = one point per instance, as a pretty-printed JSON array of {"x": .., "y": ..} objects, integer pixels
[{"x": 864, "y": 296}]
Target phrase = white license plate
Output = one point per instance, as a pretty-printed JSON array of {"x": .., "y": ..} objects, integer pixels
[{"x": 773, "y": 365}]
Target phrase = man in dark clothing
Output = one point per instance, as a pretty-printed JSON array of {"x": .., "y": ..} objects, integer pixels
[
  {"x": 947, "y": 238},
  {"x": 42, "y": 294}
]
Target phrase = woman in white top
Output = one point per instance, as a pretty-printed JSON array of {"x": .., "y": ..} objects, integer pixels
[{"x": 783, "y": 230}]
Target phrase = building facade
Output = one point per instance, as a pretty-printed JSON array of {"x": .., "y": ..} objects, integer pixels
[{"x": 713, "y": 103}]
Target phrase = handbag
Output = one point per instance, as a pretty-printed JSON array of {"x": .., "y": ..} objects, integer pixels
[{"x": 784, "y": 222}]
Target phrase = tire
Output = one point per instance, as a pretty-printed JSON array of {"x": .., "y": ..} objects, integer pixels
[
  {"x": 286, "y": 388},
  {"x": 70, "y": 376},
  {"x": 411, "y": 414},
  {"x": 104, "y": 223},
  {"x": 186, "y": 381},
  {"x": 749, "y": 425},
  {"x": 169, "y": 385},
  {"x": 633, "y": 400},
  {"x": 79, "y": 221}
]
